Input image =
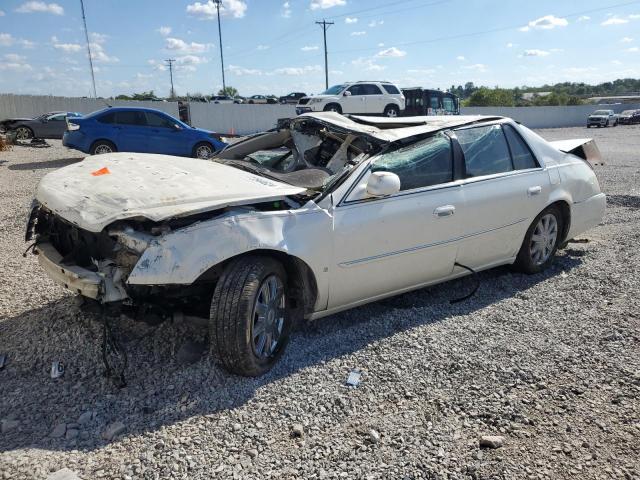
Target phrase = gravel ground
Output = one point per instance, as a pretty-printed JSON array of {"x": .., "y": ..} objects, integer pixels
[{"x": 550, "y": 363}]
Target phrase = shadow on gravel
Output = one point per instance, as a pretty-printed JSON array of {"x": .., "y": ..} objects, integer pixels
[
  {"x": 62, "y": 162},
  {"x": 162, "y": 392},
  {"x": 631, "y": 201}
]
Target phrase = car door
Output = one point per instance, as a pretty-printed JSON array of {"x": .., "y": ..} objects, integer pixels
[
  {"x": 131, "y": 131},
  {"x": 164, "y": 136},
  {"x": 504, "y": 189},
  {"x": 385, "y": 245},
  {"x": 375, "y": 100},
  {"x": 355, "y": 102},
  {"x": 53, "y": 126}
]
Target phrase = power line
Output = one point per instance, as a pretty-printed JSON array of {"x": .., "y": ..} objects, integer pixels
[
  {"x": 218, "y": 3},
  {"x": 170, "y": 63},
  {"x": 86, "y": 36},
  {"x": 325, "y": 26}
]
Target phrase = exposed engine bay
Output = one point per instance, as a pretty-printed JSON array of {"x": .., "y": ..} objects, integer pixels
[{"x": 305, "y": 152}]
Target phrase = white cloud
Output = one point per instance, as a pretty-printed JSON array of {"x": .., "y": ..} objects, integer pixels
[
  {"x": 296, "y": 71},
  {"x": 633, "y": 16},
  {"x": 207, "y": 10},
  {"x": 626, "y": 40},
  {"x": 241, "y": 71},
  {"x": 367, "y": 64},
  {"x": 479, "y": 67},
  {"x": 336, "y": 72},
  {"x": 633, "y": 49},
  {"x": 14, "y": 57},
  {"x": 157, "y": 65},
  {"x": 421, "y": 71},
  {"x": 616, "y": 62},
  {"x": 309, "y": 48},
  {"x": 262, "y": 47},
  {"x": 41, "y": 7},
  {"x": 65, "y": 47},
  {"x": 324, "y": 4},
  {"x": 286, "y": 10},
  {"x": 460, "y": 58},
  {"x": 164, "y": 31},
  {"x": 545, "y": 23},
  {"x": 191, "y": 60},
  {"x": 99, "y": 37},
  {"x": 27, "y": 44},
  {"x": 380, "y": 45},
  {"x": 375, "y": 23},
  {"x": 1, "y": 13},
  {"x": 357, "y": 34},
  {"x": 584, "y": 18},
  {"x": 391, "y": 52},
  {"x": 6, "y": 40},
  {"x": 614, "y": 20},
  {"x": 534, "y": 52},
  {"x": 511, "y": 45},
  {"x": 351, "y": 20},
  {"x": 15, "y": 63},
  {"x": 179, "y": 45},
  {"x": 99, "y": 55}
]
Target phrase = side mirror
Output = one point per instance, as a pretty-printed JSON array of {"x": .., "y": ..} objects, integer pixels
[
  {"x": 383, "y": 184},
  {"x": 346, "y": 93}
]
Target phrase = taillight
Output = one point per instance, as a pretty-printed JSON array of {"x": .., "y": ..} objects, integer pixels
[{"x": 72, "y": 126}]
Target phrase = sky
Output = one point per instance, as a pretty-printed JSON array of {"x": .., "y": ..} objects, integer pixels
[{"x": 275, "y": 46}]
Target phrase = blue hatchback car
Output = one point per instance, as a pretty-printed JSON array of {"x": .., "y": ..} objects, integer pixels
[{"x": 126, "y": 129}]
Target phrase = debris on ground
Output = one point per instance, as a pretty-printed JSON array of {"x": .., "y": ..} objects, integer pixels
[{"x": 353, "y": 380}]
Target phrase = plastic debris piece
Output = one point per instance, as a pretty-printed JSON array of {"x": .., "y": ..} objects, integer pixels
[
  {"x": 57, "y": 369},
  {"x": 102, "y": 171},
  {"x": 353, "y": 380}
]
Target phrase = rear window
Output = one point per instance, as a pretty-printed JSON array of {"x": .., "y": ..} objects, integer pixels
[
  {"x": 520, "y": 152},
  {"x": 390, "y": 89},
  {"x": 108, "y": 118},
  {"x": 485, "y": 150}
]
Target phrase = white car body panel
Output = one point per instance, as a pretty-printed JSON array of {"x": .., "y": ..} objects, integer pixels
[{"x": 358, "y": 248}]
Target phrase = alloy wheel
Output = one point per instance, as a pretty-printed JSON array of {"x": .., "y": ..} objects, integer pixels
[
  {"x": 23, "y": 133},
  {"x": 392, "y": 113},
  {"x": 268, "y": 317},
  {"x": 204, "y": 152},
  {"x": 103, "y": 148},
  {"x": 543, "y": 239}
]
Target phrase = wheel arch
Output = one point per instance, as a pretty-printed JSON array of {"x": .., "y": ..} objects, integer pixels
[
  {"x": 93, "y": 144},
  {"x": 303, "y": 285},
  {"x": 565, "y": 209}
]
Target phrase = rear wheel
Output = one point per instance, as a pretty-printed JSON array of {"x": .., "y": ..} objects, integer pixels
[
  {"x": 333, "y": 107},
  {"x": 203, "y": 150},
  {"x": 391, "y": 111},
  {"x": 249, "y": 323},
  {"x": 102, "y": 146},
  {"x": 24, "y": 133},
  {"x": 541, "y": 242}
]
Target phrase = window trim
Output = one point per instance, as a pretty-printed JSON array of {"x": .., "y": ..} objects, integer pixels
[{"x": 533, "y": 155}]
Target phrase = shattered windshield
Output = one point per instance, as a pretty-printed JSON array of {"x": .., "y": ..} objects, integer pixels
[
  {"x": 308, "y": 154},
  {"x": 335, "y": 90}
]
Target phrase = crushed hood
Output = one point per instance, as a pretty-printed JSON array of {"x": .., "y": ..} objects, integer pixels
[{"x": 105, "y": 188}]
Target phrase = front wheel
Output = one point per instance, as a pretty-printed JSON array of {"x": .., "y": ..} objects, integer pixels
[
  {"x": 333, "y": 107},
  {"x": 249, "y": 322},
  {"x": 541, "y": 242},
  {"x": 24, "y": 133},
  {"x": 203, "y": 150}
]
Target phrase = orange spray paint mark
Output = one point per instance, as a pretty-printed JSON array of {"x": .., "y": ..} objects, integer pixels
[{"x": 102, "y": 171}]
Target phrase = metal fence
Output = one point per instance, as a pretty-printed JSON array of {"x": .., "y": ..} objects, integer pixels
[
  {"x": 29, "y": 106},
  {"x": 238, "y": 119}
]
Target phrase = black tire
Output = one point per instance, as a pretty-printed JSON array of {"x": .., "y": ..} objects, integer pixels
[
  {"x": 24, "y": 133},
  {"x": 606, "y": 124},
  {"x": 588, "y": 126},
  {"x": 333, "y": 107},
  {"x": 201, "y": 147},
  {"x": 231, "y": 319},
  {"x": 100, "y": 147},
  {"x": 391, "y": 111},
  {"x": 524, "y": 261},
  {"x": 250, "y": 102}
]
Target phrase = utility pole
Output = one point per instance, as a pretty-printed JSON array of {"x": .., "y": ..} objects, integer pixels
[
  {"x": 218, "y": 4},
  {"x": 325, "y": 26},
  {"x": 86, "y": 36},
  {"x": 170, "y": 63}
]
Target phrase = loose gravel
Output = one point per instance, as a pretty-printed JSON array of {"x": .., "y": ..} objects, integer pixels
[{"x": 534, "y": 377}]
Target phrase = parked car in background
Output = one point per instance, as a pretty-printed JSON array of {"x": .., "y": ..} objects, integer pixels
[
  {"x": 365, "y": 98},
  {"x": 322, "y": 215},
  {"x": 223, "y": 99},
  {"x": 629, "y": 117},
  {"x": 48, "y": 125},
  {"x": 602, "y": 118},
  {"x": 422, "y": 101},
  {"x": 126, "y": 129},
  {"x": 292, "y": 98},
  {"x": 261, "y": 99}
]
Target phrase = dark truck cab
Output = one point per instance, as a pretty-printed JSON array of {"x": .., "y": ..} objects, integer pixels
[{"x": 422, "y": 101}]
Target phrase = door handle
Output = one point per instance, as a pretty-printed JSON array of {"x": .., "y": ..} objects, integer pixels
[
  {"x": 534, "y": 190},
  {"x": 444, "y": 211}
]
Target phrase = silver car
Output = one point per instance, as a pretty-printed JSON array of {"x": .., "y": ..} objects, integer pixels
[{"x": 48, "y": 125}]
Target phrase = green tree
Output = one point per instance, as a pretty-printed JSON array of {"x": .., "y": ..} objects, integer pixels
[
  {"x": 229, "y": 91},
  {"x": 488, "y": 97}
]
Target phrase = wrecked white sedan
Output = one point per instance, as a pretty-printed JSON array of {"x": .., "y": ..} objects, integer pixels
[{"x": 321, "y": 215}]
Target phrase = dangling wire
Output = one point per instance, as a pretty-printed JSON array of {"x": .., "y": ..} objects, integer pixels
[{"x": 475, "y": 289}]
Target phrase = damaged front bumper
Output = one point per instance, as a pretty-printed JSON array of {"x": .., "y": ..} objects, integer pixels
[{"x": 104, "y": 285}]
